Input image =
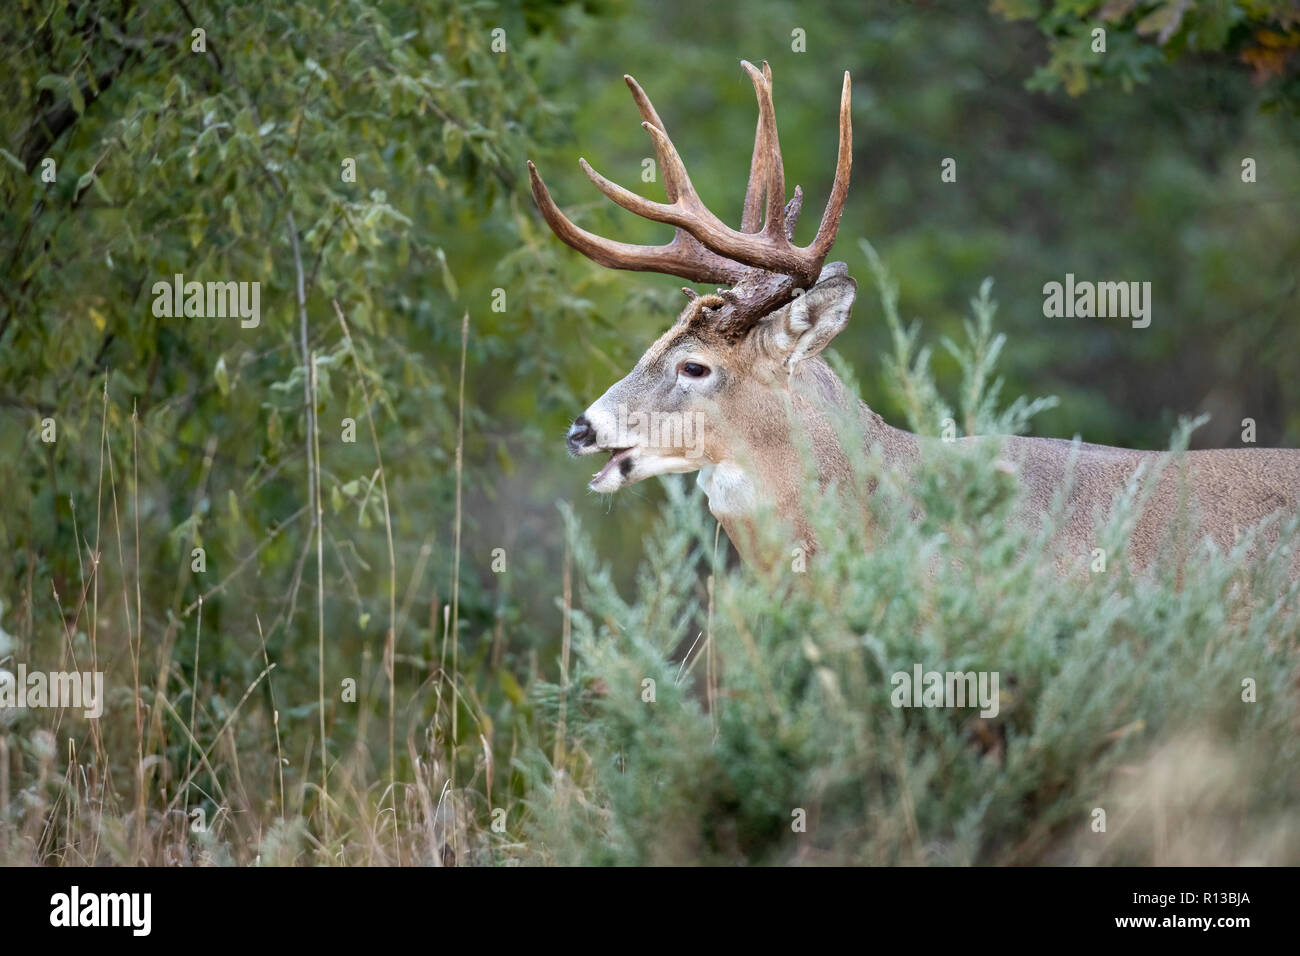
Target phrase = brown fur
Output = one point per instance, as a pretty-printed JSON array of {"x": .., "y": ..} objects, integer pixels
[{"x": 760, "y": 411}]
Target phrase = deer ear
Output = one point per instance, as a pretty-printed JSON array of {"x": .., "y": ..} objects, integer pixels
[{"x": 806, "y": 326}]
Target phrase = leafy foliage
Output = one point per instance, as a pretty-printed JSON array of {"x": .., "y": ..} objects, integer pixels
[
  {"x": 225, "y": 160},
  {"x": 1141, "y": 35}
]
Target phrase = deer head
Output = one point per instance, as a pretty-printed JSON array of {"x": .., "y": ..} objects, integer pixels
[
  {"x": 725, "y": 385},
  {"x": 735, "y": 389}
]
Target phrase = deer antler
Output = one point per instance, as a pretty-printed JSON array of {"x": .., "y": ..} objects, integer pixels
[{"x": 763, "y": 266}]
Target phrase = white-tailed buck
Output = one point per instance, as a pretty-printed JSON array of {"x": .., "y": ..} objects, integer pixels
[{"x": 737, "y": 385}]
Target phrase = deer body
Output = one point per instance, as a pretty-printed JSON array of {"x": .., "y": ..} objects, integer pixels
[
  {"x": 736, "y": 388},
  {"x": 1231, "y": 489}
]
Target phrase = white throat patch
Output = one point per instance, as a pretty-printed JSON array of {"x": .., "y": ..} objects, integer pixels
[{"x": 730, "y": 490}]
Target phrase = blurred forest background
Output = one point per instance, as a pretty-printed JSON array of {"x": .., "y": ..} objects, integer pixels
[{"x": 226, "y": 163}]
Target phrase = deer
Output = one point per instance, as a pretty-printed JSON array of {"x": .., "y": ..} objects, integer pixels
[{"x": 745, "y": 363}]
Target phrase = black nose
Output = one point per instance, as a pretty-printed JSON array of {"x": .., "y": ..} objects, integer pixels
[{"x": 581, "y": 434}]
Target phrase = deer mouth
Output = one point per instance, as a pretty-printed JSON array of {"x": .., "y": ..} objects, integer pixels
[{"x": 620, "y": 459}]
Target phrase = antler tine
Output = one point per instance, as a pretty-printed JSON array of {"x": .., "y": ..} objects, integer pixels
[
  {"x": 681, "y": 211},
  {"x": 650, "y": 115},
  {"x": 683, "y": 256},
  {"x": 830, "y": 224},
  {"x": 704, "y": 248},
  {"x": 768, "y": 141},
  {"x": 756, "y": 189}
]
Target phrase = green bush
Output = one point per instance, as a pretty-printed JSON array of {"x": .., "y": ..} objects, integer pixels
[{"x": 1123, "y": 692}]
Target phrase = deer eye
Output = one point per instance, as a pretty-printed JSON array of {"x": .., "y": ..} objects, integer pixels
[{"x": 694, "y": 370}]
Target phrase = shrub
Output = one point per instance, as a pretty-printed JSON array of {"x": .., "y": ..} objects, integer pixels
[{"x": 1122, "y": 693}]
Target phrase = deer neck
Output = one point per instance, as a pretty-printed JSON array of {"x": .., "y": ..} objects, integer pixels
[{"x": 769, "y": 479}]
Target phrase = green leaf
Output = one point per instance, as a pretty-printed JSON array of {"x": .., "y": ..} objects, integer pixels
[
  {"x": 221, "y": 377},
  {"x": 448, "y": 279},
  {"x": 244, "y": 124},
  {"x": 452, "y": 140},
  {"x": 274, "y": 430},
  {"x": 75, "y": 97},
  {"x": 510, "y": 687}
]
